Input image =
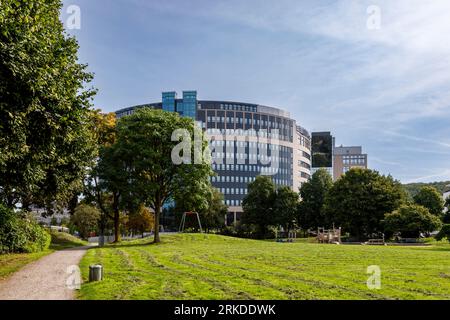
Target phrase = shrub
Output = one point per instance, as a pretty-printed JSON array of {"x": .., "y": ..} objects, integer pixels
[
  {"x": 19, "y": 233},
  {"x": 444, "y": 233}
]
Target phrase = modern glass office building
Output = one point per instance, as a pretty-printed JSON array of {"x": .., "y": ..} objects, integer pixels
[{"x": 247, "y": 140}]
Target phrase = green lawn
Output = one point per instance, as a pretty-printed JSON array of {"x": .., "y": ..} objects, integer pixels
[
  {"x": 215, "y": 267},
  {"x": 10, "y": 263}
]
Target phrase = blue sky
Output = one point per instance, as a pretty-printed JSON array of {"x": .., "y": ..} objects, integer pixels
[{"x": 386, "y": 89}]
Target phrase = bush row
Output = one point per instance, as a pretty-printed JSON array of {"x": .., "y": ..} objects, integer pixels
[{"x": 19, "y": 233}]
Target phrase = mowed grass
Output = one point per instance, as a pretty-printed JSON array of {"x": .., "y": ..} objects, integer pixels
[
  {"x": 197, "y": 266},
  {"x": 62, "y": 240},
  {"x": 10, "y": 263}
]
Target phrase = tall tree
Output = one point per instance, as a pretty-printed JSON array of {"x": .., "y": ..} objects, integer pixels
[
  {"x": 162, "y": 165},
  {"x": 431, "y": 199},
  {"x": 45, "y": 143},
  {"x": 311, "y": 213},
  {"x": 285, "y": 207},
  {"x": 258, "y": 205},
  {"x": 359, "y": 200},
  {"x": 97, "y": 190}
]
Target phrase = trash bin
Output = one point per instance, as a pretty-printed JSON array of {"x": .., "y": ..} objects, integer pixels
[{"x": 95, "y": 272}]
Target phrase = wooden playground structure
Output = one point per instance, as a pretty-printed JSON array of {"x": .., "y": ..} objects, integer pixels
[{"x": 329, "y": 235}]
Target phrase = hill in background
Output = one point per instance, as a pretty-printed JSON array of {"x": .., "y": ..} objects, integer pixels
[{"x": 413, "y": 188}]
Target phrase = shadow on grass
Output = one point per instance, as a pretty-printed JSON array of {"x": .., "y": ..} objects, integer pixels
[{"x": 127, "y": 245}]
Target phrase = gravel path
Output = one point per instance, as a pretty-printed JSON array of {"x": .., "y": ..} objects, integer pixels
[{"x": 44, "y": 279}]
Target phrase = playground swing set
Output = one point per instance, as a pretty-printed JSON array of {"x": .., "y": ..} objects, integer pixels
[{"x": 189, "y": 214}]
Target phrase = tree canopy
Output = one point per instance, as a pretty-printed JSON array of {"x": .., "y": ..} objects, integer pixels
[
  {"x": 359, "y": 200},
  {"x": 147, "y": 142},
  {"x": 411, "y": 220},
  {"x": 85, "y": 219},
  {"x": 45, "y": 141},
  {"x": 258, "y": 205},
  {"x": 285, "y": 207},
  {"x": 431, "y": 199},
  {"x": 311, "y": 213}
]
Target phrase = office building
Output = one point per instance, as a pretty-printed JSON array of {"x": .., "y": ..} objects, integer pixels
[
  {"x": 247, "y": 140},
  {"x": 346, "y": 158}
]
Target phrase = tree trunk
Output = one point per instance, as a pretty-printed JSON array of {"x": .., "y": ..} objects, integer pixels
[
  {"x": 101, "y": 239},
  {"x": 157, "y": 216},
  {"x": 117, "y": 237},
  {"x": 116, "y": 226}
]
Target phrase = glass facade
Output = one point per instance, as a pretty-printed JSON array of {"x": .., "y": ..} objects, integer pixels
[
  {"x": 169, "y": 101},
  {"x": 188, "y": 108},
  {"x": 322, "y": 149}
]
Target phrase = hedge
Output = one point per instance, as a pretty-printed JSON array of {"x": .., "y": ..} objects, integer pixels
[{"x": 19, "y": 233}]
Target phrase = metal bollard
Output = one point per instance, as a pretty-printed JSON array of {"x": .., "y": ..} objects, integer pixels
[{"x": 95, "y": 272}]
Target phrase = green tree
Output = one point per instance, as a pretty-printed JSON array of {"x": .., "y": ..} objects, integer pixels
[
  {"x": 141, "y": 221},
  {"x": 110, "y": 181},
  {"x": 258, "y": 205},
  {"x": 446, "y": 218},
  {"x": 209, "y": 204},
  {"x": 213, "y": 217},
  {"x": 285, "y": 207},
  {"x": 444, "y": 233},
  {"x": 148, "y": 144},
  {"x": 431, "y": 199},
  {"x": 97, "y": 191},
  {"x": 311, "y": 213},
  {"x": 85, "y": 219},
  {"x": 45, "y": 142},
  {"x": 411, "y": 220},
  {"x": 359, "y": 200}
]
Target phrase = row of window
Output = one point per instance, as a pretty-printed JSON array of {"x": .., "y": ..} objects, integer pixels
[
  {"x": 248, "y": 121},
  {"x": 355, "y": 160},
  {"x": 304, "y": 141},
  {"x": 306, "y": 155},
  {"x": 273, "y": 134},
  {"x": 305, "y": 175},
  {"x": 252, "y": 157},
  {"x": 249, "y": 168},
  {"x": 237, "y": 107},
  {"x": 234, "y": 191},
  {"x": 303, "y": 164},
  {"x": 240, "y": 191},
  {"x": 241, "y": 179},
  {"x": 248, "y": 144},
  {"x": 234, "y": 203}
]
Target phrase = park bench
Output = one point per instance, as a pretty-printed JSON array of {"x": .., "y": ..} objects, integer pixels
[{"x": 375, "y": 242}]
